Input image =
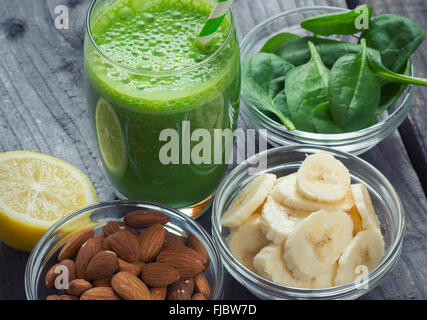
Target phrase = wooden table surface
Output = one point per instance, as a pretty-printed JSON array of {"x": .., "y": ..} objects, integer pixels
[{"x": 43, "y": 108}]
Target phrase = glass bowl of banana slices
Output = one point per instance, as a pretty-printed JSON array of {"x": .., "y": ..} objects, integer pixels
[{"x": 307, "y": 222}]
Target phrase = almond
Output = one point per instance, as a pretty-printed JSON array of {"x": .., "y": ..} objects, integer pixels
[
  {"x": 99, "y": 239},
  {"x": 189, "y": 283},
  {"x": 158, "y": 274},
  {"x": 158, "y": 293},
  {"x": 145, "y": 218},
  {"x": 77, "y": 287},
  {"x": 50, "y": 277},
  {"x": 52, "y": 297},
  {"x": 198, "y": 296},
  {"x": 188, "y": 262},
  {"x": 55, "y": 271},
  {"x": 201, "y": 285},
  {"x": 172, "y": 239},
  {"x": 102, "y": 265},
  {"x": 67, "y": 297},
  {"x": 71, "y": 268},
  {"x": 125, "y": 244},
  {"x": 72, "y": 247},
  {"x": 113, "y": 226},
  {"x": 178, "y": 291},
  {"x": 106, "y": 282},
  {"x": 134, "y": 268},
  {"x": 100, "y": 293},
  {"x": 86, "y": 253},
  {"x": 151, "y": 242},
  {"x": 129, "y": 287},
  {"x": 106, "y": 244},
  {"x": 195, "y": 244}
]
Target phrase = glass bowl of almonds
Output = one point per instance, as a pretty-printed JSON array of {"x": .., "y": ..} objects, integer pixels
[
  {"x": 125, "y": 250},
  {"x": 307, "y": 222}
]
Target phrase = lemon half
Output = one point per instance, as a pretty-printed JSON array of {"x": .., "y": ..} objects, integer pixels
[
  {"x": 110, "y": 138},
  {"x": 36, "y": 190}
]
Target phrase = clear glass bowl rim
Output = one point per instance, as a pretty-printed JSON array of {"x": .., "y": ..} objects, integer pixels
[
  {"x": 374, "y": 277},
  {"x": 88, "y": 31},
  {"x": 38, "y": 253},
  {"x": 339, "y": 137}
]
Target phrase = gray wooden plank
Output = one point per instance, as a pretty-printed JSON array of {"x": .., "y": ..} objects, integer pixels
[
  {"x": 414, "y": 129},
  {"x": 12, "y": 269},
  {"x": 408, "y": 280},
  {"x": 243, "y": 13},
  {"x": 271, "y": 8}
]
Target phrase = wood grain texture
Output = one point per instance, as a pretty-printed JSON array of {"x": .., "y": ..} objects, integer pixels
[
  {"x": 43, "y": 108},
  {"x": 408, "y": 280},
  {"x": 414, "y": 129}
]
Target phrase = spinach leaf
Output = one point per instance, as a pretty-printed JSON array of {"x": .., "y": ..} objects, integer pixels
[
  {"x": 297, "y": 51},
  {"x": 322, "y": 119},
  {"x": 373, "y": 122},
  {"x": 375, "y": 62},
  {"x": 331, "y": 52},
  {"x": 281, "y": 103},
  {"x": 336, "y": 23},
  {"x": 395, "y": 37},
  {"x": 275, "y": 43},
  {"x": 263, "y": 79},
  {"x": 306, "y": 87},
  {"x": 392, "y": 91},
  {"x": 354, "y": 91}
]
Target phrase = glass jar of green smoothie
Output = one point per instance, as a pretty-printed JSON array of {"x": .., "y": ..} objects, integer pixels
[{"x": 157, "y": 100}]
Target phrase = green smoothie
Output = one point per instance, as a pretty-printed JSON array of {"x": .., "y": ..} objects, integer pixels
[{"x": 146, "y": 75}]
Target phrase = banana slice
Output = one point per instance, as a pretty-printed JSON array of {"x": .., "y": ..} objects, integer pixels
[
  {"x": 357, "y": 220},
  {"x": 248, "y": 200},
  {"x": 317, "y": 243},
  {"x": 246, "y": 240},
  {"x": 301, "y": 213},
  {"x": 364, "y": 206},
  {"x": 269, "y": 264},
  {"x": 327, "y": 279},
  {"x": 366, "y": 249},
  {"x": 286, "y": 193},
  {"x": 278, "y": 221},
  {"x": 323, "y": 178}
]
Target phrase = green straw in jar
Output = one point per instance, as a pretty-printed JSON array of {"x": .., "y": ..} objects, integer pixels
[{"x": 214, "y": 21}]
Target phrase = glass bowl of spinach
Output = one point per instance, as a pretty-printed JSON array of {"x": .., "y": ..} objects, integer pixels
[{"x": 309, "y": 76}]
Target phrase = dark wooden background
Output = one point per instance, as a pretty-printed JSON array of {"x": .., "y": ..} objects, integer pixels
[{"x": 43, "y": 108}]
